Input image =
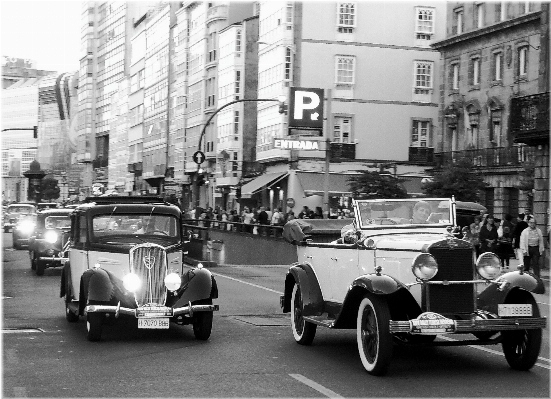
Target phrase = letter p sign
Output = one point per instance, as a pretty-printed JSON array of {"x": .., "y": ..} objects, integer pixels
[{"x": 306, "y": 106}]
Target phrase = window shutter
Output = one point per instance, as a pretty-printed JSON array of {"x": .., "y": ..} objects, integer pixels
[{"x": 471, "y": 72}]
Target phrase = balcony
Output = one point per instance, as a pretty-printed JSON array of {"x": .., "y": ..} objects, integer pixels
[
  {"x": 421, "y": 155},
  {"x": 489, "y": 157},
  {"x": 530, "y": 119},
  {"x": 216, "y": 13}
]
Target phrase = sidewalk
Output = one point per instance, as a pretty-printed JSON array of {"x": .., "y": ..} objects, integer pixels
[{"x": 513, "y": 264}]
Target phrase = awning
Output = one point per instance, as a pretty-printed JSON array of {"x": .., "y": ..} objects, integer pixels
[
  {"x": 313, "y": 183},
  {"x": 260, "y": 182}
]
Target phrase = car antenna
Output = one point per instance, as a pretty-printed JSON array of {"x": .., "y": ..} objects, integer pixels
[{"x": 109, "y": 220}]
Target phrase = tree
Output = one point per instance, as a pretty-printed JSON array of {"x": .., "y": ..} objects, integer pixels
[
  {"x": 48, "y": 189},
  {"x": 369, "y": 185},
  {"x": 457, "y": 179}
]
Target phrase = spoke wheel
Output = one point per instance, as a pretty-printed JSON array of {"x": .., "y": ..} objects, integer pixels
[
  {"x": 303, "y": 331},
  {"x": 40, "y": 267},
  {"x": 521, "y": 348},
  {"x": 202, "y": 322},
  {"x": 373, "y": 334}
]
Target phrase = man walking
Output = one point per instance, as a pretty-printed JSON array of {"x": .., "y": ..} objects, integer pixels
[{"x": 531, "y": 244}]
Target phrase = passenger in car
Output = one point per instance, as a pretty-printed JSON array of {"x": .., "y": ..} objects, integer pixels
[{"x": 421, "y": 213}]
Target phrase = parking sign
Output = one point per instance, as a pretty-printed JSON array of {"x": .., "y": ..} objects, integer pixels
[{"x": 306, "y": 108}]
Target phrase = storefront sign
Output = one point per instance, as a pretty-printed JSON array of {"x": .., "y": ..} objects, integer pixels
[{"x": 307, "y": 145}]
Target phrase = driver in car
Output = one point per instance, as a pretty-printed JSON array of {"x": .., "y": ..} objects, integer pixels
[{"x": 421, "y": 213}]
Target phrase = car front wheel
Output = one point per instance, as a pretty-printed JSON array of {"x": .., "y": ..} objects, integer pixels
[
  {"x": 202, "y": 323},
  {"x": 40, "y": 267},
  {"x": 373, "y": 334},
  {"x": 521, "y": 348},
  {"x": 303, "y": 331}
]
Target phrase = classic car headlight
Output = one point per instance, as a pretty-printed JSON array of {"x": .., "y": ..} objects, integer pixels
[
  {"x": 488, "y": 266},
  {"x": 51, "y": 236},
  {"x": 26, "y": 227},
  {"x": 131, "y": 282},
  {"x": 172, "y": 281},
  {"x": 424, "y": 266}
]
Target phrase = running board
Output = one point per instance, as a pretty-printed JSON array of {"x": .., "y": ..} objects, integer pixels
[{"x": 320, "y": 321}]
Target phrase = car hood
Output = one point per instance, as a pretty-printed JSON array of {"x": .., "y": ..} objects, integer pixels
[{"x": 415, "y": 242}]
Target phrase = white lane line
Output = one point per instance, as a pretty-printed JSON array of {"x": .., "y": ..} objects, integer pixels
[
  {"x": 312, "y": 384},
  {"x": 545, "y": 366},
  {"x": 245, "y": 282}
]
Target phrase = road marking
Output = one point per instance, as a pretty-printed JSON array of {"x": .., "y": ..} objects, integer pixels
[
  {"x": 245, "y": 282},
  {"x": 312, "y": 384},
  {"x": 545, "y": 366}
]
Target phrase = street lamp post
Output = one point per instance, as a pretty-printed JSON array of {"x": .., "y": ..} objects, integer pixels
[{"x": 327, "y": 135}]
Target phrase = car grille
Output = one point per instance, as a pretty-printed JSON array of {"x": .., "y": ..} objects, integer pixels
[
  {"x": 454, "y": 264},
  {"x": 149, "y": 262}
]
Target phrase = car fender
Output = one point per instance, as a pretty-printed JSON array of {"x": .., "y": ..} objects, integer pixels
[
  {"x": 312, "y": 298},
  {"x": 506, "y": 285},
  {"x": 197, "y": 284},
  {"x": 97, "y": 283},
  {"x": 65, "y": 280},
  {"x": 380, "y": 284}
]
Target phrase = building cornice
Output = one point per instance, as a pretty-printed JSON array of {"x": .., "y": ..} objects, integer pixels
[{"x": 458, "y": 39}]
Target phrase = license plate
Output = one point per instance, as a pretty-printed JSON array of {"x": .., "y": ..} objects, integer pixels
[
  {"x": 512, "y": 310},
  {"x": 153, "y": 323},
  {"x": 432, "y": 323},
  {"x": 154, "y": 311}
]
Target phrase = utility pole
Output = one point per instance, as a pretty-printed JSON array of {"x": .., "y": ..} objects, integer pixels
[{"x": 327, "y": 135}]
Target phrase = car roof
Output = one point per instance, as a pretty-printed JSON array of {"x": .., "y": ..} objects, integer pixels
[{"x": 58, "y": 211}]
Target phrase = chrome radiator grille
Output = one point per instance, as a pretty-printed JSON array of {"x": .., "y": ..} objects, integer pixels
[
  {"x": 149, "y": 262},
  {"x": 453, "y": 265}
]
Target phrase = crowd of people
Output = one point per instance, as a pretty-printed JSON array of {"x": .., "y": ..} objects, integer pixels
[{"x": 520, "y": 239}]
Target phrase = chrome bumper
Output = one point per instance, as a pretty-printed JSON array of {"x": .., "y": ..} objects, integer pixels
[
  {"x": 471, "y": 326},
  {"x": 62, "y": 261},
  {"x": 118, "y": 310}
]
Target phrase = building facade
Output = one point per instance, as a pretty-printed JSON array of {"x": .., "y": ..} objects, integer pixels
[{"x": 495, "y": 101}]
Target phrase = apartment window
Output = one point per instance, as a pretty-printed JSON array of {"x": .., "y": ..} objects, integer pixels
[
  {"x": 237, "y": 84},
  {"x": 238, "y": 42},
  {"x": 523, "y": 61},
  {"x": 497, "y": 67},
  {"x": 342, "y": 129},
  {"x": 346, "y": 17},
  {"x": 420, "y": 133},
  {"x": 289, "y": 16},
  {"x": 288, "y": 64},
  {"x": 455, "y": 76},
  {"x": 526, "y": 7},
  {"x": 424, "y": 23},
  {"x": 475, "y": 71},
  {"x": 501, "y": 9},
  {"x": 345, "y": 70},
  {"x": 423, "y": 77},
  {"x": 236, "y": 122},
  {"x": 458, "y": 21},
  {"x": 479, "y": 15}
]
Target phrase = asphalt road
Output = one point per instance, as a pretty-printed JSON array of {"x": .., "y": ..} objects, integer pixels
[{"x": 251, "y": 352}]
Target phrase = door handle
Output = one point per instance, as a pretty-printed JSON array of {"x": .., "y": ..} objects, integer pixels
[{"x": 335, "y": 259}]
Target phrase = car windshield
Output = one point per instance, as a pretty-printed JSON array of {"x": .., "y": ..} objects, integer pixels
[
  {"x": 57, "y": 222},
  {"x": 135, "y": 225},
  {"x": 21, "y": 209},
  {"x": 406, "y": 212}
]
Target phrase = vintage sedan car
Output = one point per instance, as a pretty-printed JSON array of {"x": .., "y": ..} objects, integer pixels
[
  {"x": 49, "y": 238},
  {"x": 14, "y": 212},
  {"x": 23, "y": 231},
  {"x": 399, "y": 275},
  {"x": 126, "y": 258}
]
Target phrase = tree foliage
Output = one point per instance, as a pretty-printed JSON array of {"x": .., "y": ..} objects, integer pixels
[
  {"x": 457, "y": 179},
  {"x": 49, "y": 189},
  {"x": 369, "y": 185}
]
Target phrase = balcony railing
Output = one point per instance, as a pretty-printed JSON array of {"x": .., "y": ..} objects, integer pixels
[{"x": 489, "y": 157}]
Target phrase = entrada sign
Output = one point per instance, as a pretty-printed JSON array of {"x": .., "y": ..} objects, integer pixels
[
  {"x": 308, "y": 145},
  {"x": 306, "y": 108}
]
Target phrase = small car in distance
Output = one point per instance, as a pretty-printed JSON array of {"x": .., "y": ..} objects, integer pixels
[
  {"x": 399, "y": 276},
  {"x": 23, "y": 230},
  {"x": 50, "y": 235},
  {"x": 126, "y": 259},
  {"x": 14, "y": 212}
]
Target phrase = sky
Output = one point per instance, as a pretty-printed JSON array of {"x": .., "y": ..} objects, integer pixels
[{"x": 47, "y": 32}]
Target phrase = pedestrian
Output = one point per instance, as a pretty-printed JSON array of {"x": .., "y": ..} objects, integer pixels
[
  {"x": 475, "y": 234},
  {"x": 263, "y": 220},
  {"x": 304, "y": 213},
  {"x": 340, "y": 214},
  {"x": 488, "y": 236},
  {"x": 319, "y": 213},
  {"x": 505, "y": 246},
  {"x": 289, "y": 216},
  {"x": 532, "y": 247},
  {"x": 247, "y": 217},
  {"x": 520, "y": 226}
]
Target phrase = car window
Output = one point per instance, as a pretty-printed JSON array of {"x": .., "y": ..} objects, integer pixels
[
  {"x": 21, "y": 209},
  {"x": 404, "y": 212},
  {"x": 57, "y": 222}
]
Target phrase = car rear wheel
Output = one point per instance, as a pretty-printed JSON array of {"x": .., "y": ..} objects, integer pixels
[
  {"x": 373, "y": 334},
  {"x": 303, "y": 331},
  {"x": 71, "y": 316},
  {"x": 94, "y": 326},
  {"x": 33, "y": 260},
  {"x": 40, "y": 267},
  {"x": 202, "y": 322}
]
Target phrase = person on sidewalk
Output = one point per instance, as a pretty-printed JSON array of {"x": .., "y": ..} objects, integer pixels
[
  {"x": 488, "y": 236},
  {"x": 531, "y": 244}
]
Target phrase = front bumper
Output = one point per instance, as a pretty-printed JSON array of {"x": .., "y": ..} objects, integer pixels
[
  {"x": 473, "y": 326},
  {"x": 53, "y": 260},
  {"x": 169, "y": 312}
]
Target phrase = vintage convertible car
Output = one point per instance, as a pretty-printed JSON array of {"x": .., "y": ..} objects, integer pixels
[
  {"x": 23, "y": 231},
  {"x": 49, "y": 237},
  {"x": 126, "y": 258},
  {"x": 14, "y": 212},
  {"x": 399, "y": 275}
]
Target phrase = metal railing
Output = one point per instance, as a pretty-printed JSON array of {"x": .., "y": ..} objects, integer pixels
[
  {"x": 489, "y": 157},
  {"x": 203, "y": 226}
]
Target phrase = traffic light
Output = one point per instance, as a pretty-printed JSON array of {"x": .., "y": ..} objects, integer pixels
[
  {"x": 200, "y": 179},
  {"x": 282, "y": 107},
  {"x": 238, "y": 192},
  {"x": 35, "y": 132}
]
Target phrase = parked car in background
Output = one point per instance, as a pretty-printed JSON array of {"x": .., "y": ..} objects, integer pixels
[
  {"x": 23, "y": 230},
  {"x": 47, "y": 205},
  {"x": 399, "y": 275},
  {"x": 126, "y": 259},
  {"x": 14, "y": 212},
  {"x": 49, "y": 237}
]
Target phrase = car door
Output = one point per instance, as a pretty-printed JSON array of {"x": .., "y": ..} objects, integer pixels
[
  {"x": 343, "y": 271},
  {"x": 78, "y": 253}
]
